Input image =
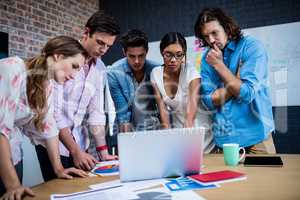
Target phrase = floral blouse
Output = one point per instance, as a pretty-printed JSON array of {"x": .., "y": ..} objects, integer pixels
[{"x": 15, "y": 113}]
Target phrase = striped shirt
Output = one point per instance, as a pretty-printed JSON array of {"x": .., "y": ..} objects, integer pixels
[{"x": 80, "y": 102}]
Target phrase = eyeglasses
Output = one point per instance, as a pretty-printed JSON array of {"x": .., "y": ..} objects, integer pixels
[{"x": 169, "y": 56}]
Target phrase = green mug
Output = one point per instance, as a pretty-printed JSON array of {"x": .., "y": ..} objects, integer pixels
[{"x": 231, "y": 154}]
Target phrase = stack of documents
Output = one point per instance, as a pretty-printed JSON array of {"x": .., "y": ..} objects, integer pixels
[
  {"x": 176, "y": 189},
  {"x": 138, "y": 190}
]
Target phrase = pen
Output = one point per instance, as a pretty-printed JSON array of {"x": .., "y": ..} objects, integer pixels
[
  {"x": 113, "y": 151},
  {"x": 95, "y": 174}
]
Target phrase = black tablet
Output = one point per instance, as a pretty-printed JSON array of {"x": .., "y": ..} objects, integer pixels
[{"x": 263, "y": 161}]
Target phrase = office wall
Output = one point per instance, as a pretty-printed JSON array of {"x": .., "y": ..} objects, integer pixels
[
  {"x": 159, "y": 17},
  {"x": 29, "y": 24}
]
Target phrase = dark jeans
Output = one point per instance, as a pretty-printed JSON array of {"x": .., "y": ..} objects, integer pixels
[
  {"x": 45, "y": 164},
  {"x": 19, "y": 170}
]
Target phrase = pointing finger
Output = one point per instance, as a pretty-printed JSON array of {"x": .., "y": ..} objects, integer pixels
[{"x": 215, "y": 47}]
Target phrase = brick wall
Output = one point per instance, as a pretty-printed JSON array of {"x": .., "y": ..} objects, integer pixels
[{"x": 30, "y": 23}]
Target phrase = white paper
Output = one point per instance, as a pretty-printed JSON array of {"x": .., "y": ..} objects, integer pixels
[
  {"x": 163, "y": 193},
  {"x": 111, "y": 193},
  {"x": 134, "y": 185},
  {"x": 115, "y": 190},
  {"x": 122, "y": 193}
]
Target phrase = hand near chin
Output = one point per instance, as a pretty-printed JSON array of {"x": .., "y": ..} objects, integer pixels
[{"x": 215, "y": 57}]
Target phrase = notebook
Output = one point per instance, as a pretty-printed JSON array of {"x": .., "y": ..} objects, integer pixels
[{"x": 218, "y": 177}]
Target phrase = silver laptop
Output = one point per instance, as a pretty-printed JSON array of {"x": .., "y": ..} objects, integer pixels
[{"x": 160, "y": 153}]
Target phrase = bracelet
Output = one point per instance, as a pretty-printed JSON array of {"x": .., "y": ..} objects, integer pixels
[{"x": 101, "y": 148}]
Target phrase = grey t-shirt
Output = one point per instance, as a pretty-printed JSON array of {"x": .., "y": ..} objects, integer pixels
[{"x": 143, "y": 115}]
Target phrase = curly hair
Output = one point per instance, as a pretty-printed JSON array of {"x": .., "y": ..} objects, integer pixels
[{"x": 231, "y": 28}]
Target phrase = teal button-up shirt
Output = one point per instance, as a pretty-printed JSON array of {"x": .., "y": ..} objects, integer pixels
[
  {"x": 125, "y": 94},
  {"x": 248, "y": 118}
]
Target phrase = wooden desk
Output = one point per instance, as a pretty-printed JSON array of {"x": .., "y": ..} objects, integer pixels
[{"x": 262, "y": 182}]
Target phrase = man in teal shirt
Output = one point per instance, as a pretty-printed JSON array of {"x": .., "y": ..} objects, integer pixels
[
  {"x": 130, "y": 86},
  {"x": 235, "y": 83}
]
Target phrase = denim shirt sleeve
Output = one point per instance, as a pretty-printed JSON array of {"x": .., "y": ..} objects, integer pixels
[
  {"x": 208, "y": 85},
  {"x": 253, "y": 71},
  {"x": 123, "y": 112}
]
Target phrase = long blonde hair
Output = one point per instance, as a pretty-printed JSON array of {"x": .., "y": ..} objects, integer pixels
[{"x": 38, "y": 73}]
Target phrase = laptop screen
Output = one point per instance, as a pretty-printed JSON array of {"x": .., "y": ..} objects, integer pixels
[{"x": 160, "y": 153}]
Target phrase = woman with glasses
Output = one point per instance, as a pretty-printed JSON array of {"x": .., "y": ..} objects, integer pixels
[{"x": 176, "y": 87}]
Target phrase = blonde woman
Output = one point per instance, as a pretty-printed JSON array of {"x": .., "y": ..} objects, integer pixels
[{"x": 26, "y": 108}]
